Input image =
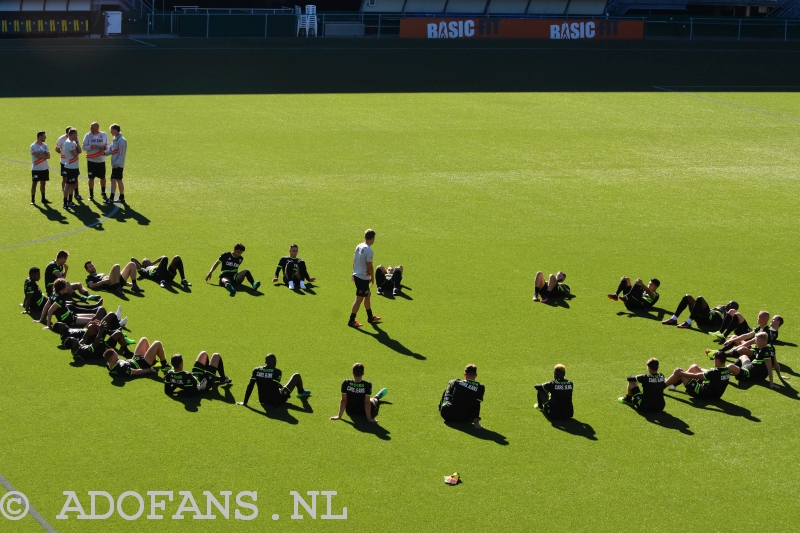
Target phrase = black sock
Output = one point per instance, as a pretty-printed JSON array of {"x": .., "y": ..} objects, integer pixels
[
  {"x": 536, "y": 291},
  {"x": 220, "y": 368},
  {"x": 91, "y": 192},
  {"x": 681, "y": 306},
  {"x": 70, "y": 198},
  {"x": 33, "y": 197},
  {"x": 369, "y": 314},
  {"x": 121, "y": 196},
  {"x": 249, "y": 277},
  {"x": 352, "y": 317},
  {"x": 622, "y": 287}
]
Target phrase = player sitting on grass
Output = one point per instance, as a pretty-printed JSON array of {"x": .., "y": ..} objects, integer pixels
[
  {"x": 144, "y": 357},
  {"x": 58, "y": 307},
  {"x": 552, "y": 289},
  {"x": 702, "y": 383},
  {"x": 636, "y": 295},
  {"x": 98, "y": 335},
  {"x": 202, "y": 377},
  {"x": 389, "y": 279},
  {"x": 115, "y": 280},
  {"x": 293, "y": 270},
  {"x": 229, "y": 275},
  {"x": 89, "y": 351},
  {"x": 743, "y": 344},
  {"x": 57, "y": 269},
  {"x": 760, "y": 365},
  {"x": 162, "y": 270},
  {"x": 34, "y": 299},
  {"x": 461, "y": 400},
  {"x": 270, "y": 390},
  {"x": 733, "y": 323},
  {"x": 555, "y": 397},
  {"x": 356, "y": 400},
  {"x": 700, "y": 311},
  {"x": 651, "y": 396}
]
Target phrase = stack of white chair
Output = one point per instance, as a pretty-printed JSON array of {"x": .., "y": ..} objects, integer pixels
[
  {"x": 311, "y": 20},
  {"x": 302, "y": 20}
]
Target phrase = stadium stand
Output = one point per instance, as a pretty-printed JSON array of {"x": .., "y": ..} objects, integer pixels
[
  {"x": 56, "y": 5},
  {"x": 586, "y": 7},
  {"x": 425, "y": 6},
  {"x": 466, "y": 7},
  {"x": 507, "y": 7},
  {"x": 381, "y": 6},
  {"x": 547, "y": 7}
]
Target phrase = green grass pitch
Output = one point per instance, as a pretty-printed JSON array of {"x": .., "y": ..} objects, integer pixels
[{"x": 473, "y": 193}]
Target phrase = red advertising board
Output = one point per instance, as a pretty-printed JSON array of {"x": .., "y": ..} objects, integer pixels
[{"x": 483, "y": 27}]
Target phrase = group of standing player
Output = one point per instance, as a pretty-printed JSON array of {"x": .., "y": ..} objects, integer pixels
[{"x": 96, "y": 146}]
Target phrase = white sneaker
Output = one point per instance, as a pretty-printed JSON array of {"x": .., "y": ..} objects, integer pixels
[
  {"x": 672, "y": 387},
  {"x": 123, "y": 322},
  {"x": 119, "y": 312},
  {"x": 302, "y": 284},
  {"x": 291, "y": 285}
]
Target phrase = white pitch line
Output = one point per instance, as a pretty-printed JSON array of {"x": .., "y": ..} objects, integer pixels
[
  {"x": 138, "y": 41},
  {"x": 51, "y": 237},
  {"x": 33, "y": 512},
  {"x": 731, "y": 104}
]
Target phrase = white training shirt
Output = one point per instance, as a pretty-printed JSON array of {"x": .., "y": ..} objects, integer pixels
[
  {"x": 70, "y": 161},
  {"x": 362, "y": 256},
  {"x": 38, "y": 151},
  {"x": 60, "y": 145},
  {"x": 95, "y": 155}
]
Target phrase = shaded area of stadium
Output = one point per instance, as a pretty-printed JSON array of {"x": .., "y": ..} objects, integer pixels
[{"x": 299, "y": 66}]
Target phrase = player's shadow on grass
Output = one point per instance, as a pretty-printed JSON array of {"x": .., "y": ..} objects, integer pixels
[
  {"x": 192, "y": 402},
  {"x": 239, "y": 288},
  {"x": 365, "y": 426},
  {"x": 401, "y": 294},
  {"x": 88, "y": 216},
  {"x": 785, "y": 390},
  {"x": 282, "y": 413},
  {"x": 53, "y": 215},
  {"x": 121, "y": 382},
  {"x": 483, "y": 433},
  {"x": 559, "y": 302},
  {"x": 666, "y": 420},
  {"x": 382, "y": 337},
  {"x": 718, "y": 406},
  {"x": 574, "y": 427},
  {"x": 659, "y": 315},
  {"x": 127, "y": 212},
  {"x": 786, "y": 369},
  {"x": 784, "y": 343}
]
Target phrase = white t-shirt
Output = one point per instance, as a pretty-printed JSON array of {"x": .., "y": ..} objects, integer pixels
[
  {"x": 362, "y": 257},
  {"x": 70, "y": 161},
  {"x": 60, "y": 145},
  {"x": 95, "y": 155},
  {"x": 38, "y": 151}
]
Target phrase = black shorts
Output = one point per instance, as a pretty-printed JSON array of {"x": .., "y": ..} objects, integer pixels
[
  {"x": 359, "y": 411},
  {"x": 141, "y": 362},
  {"x": 231, "y": 276},
  {"x": 116, "y": 173},
  {"x": 72, "y": 174},
  {"x": 96, "y": 170},
  {"x": 637, "y": 403},
  {"x": 697, "y": 389},
  {"x": 561, "y": 291},
  {"x": 362, "y": 286},
  {"x": 751, "y": 372},
  {"x": 556, "y": 414},
  {"x": 40, "y": 175},
  {"x": 451, "y": 414},
  {"x": 279, "y": 399}
]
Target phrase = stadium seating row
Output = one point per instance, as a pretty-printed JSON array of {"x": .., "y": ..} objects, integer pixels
[
  {"x": 489, "y": 7},
  {"x": 45, "y": 5}
]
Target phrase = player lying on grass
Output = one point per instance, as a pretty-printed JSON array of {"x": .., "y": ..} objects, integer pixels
[
  {"x": 229, "y": 275},
  {"x": 760, "y": 366},
  {"x": 91, "y": 350},
  {"x": 57, "y": 306},
  {"x": 142, "y": 363},
  {"x": 651, "y": 396},
  {"x": 57, "y": 269},
  {"x": 733, "y": 323},
  {"x": 554, "y": 398},
  {"x": 363, "y": 277},
  {"x": 702, "y": 383},
  {"x": 162, "y": 270},
  {"x": 270, "y": 390},
  {"x": 636, "y": 295},
  {"x": 461, "y": 400},
  {"x": 293, "y": 270},
  {"x": 551, "y": 289},
  {"x": 699, "y": 310},
  {"x": 357, "y": 400},
  {"x": 98, "y": 334},
  {"x": 34, "y": 299},
  {"x": 202, "y": 377},
  {"x": 389, "y": 279},
  {"x": 116, "y": 279},
  {"x": 743, "y": 344}
]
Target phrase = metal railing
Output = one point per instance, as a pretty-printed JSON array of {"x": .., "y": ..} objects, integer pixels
[{"x": 275, "y": 23}]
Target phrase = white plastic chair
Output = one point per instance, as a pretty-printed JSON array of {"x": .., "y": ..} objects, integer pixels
[
  {"x": 311, "y": 20},
  {"x": 302, "y": 20}
]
